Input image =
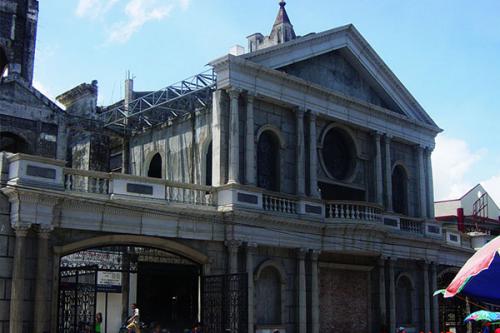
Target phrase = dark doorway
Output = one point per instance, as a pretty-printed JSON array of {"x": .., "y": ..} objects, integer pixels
[
  {"x": 155, "y": 166},
  {"x": 400, "y": 190},
  {"x": 168, "y": 294},
  {"x": 208, "y": 166},
  {"x": 268, "y": 161},
  {"x": 13, "y": 143},
  {"x": 338, "y": 192}
]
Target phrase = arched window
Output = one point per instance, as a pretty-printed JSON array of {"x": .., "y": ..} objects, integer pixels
[
  {"x": 268, "y": 296},
  {"x": 13, "y": 143},
  {"x": 3, "y": 62},
  {"x": 208, "y": 166},
  {"x": 268, "y": 160},
  {"x": 400, "y": 190},
  {"x": 404, "y": 301},
  {"x": 155, "y": 166},
  {"x": 338, "y": 154}
]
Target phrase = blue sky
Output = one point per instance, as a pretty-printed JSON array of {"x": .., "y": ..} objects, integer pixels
[{"x": 446, "y": 52}]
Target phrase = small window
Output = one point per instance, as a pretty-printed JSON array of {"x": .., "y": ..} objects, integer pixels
[{"x": 155, "y": 167}]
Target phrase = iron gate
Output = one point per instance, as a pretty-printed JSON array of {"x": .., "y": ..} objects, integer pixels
[
  {"x": 225, "y": 303},
  {"x": 77, "y": 299}
]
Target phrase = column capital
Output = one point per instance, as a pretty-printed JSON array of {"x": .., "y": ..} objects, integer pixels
[
  {"x": 21, "y": 230},
  {"x": 419, "y": 148},
  {"x": 312, "y": 114},
  {"x": 233, "y": 92},
  {"x": 299, "y": 110},
  {"x": 251, "y": 247},
  {"x": 315, "y": 254},
  {"x": 388, "y": 138},
  {"x": 44, "y": 231},
  {"x": 301, "y": 253},
  {"x": 233, "y": 244},
  {"x": 250, "y": 98},
  {"x": 429, "y": 150},
  {"x": 381, "y": 261}
]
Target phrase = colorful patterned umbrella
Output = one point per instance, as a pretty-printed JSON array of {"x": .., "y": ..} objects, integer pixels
[
  {"x": 483, "y": 315},
  {"x": 479, "y": 278}
]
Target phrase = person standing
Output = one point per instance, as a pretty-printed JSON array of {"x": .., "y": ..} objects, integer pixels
[
  {"x": 133, "y": 321},
  {"x": 98, "y": 322}
]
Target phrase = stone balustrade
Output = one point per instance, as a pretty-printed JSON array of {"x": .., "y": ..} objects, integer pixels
[
  {"x": 86, "y": 181},
  {"x": 279, "y": 204},
  {"x": 352, "y": 210},
  {"x": 411, "y": 225}
]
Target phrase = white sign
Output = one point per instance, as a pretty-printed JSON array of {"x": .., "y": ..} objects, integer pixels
[{"x": 109, "y": 279}]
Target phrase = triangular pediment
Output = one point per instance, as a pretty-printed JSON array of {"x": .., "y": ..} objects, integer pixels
[
  {"x": 341, "y": 60},
  {"x": 16, "y": 91}
]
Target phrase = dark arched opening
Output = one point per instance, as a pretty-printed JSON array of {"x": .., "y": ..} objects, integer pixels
[
  {"x": 3, "y": 62},
  {"x": 208, "y": 166},
  {"x": 400, "y": 190},
  {"x": 404, "y": 290},
  {"x": 13, "y": 143},
  {"x": 268, "y": 159},
  {"x": 339, "y": 153},
  {"x": 268, "y": 292},
  {"x": 155, "y": 166}
]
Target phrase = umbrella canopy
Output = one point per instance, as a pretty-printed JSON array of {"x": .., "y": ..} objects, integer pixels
[
  {"x": 479, "y": 278},
  {"x": 483, "y": 316}
]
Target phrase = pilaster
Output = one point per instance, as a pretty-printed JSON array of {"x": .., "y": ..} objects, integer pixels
[
  {"x": 382, "y": 300},
  {"x": 302, "y": 305},
  {"x": 234, "y": 137},
  {"x": 313, "y": 162},
  {"x": 250, "y": 143},
  {"x": 392, "y": 295},
  {"x": 388, "y": 173},
  {"x": 300, "y": 176},
  {"x": 251, "y": 250},
  {"x": 421, "y": 182},
  {"x": 427, "y": 305},
  {"x": 17, "y": 315},
  {"x": 314, "y": 292},
  {"x": 42, "y": 299},
  {"x": 379, "y": 181},
  {"x": 435, "y": 304},
  {"x": 232, "y": 247},
  {"x": 430, "y": 185}
]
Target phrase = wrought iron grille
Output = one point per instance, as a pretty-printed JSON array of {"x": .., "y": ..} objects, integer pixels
[
  {"x": 77, "y": 299},
  {"x": 225, "y": 303}
]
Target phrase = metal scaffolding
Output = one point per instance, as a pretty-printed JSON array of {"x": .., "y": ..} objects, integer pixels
[{"x": 157, "y": 107}]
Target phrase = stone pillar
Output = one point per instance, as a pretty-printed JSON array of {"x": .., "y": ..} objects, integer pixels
[
  {"x": 125, "y": 286},
  {"x": 250, "y": 144},
  {"x": 388, "y": 174},
  {"x": 302, "y": 305},
  {"x": 234, "y": 137},
  {"x": 430, "y": 185},
  {"x": 251, "y": 247},
  {"x": 42, "y": 306},
  {"x": 392, "y": 297},
  {"x": 232, "y": 247},
  {"x": 219, "y": 138},
  {"x": 126, "y": 155},
  {"x": 62, "y": 140},
  {"x": 313, "y": 177},
  {"x": 382, "y": 301},
  {"x": 379, "y": 181},
  {"x": 427, "y": 305},
  {"x": 435, "y": 303},
  {"x": 17, "y": 290},
  {"x": 314, "y": 292},
  {"x": 421, "y": 182},
  {"x": 300, "y": 176}
]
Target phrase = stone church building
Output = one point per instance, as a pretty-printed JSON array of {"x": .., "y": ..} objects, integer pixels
[{"x": 286, "y": 188}]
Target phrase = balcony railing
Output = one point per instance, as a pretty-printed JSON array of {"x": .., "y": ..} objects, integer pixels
[
  {"x": 412, "y": 225},
  {"x": 279, "y": 204},
  {"x": 352, "y": 210}
]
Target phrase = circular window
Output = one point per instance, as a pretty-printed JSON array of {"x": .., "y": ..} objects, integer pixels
[{"x": 338, "y": 152}]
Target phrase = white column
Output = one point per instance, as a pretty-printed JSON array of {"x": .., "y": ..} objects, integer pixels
[
  {"x": 302, "y": 291},
  {"x": 251, "y": 248},
  {"x": 435, "y": 303},
  {"x": 388, "y": 174},
  {"x": 427, "y": 305},
  {"x": 250, "y": 144},
  {"x": 314, "y": 292},
  {"x": 234, "y": 137},
  {"x": 430, "y": 185},
  {"x": 219, "y": 139},
  {"x": 382, "y": 301},
  {"x": 313, "y": 178},
  {"x": 421, "y": 182},
  {"x": 232, "y": 247},
  {"x": 17, "y": 314},
  {"x": 379, "y": 181},
  {"x": 392, "y": 297},
  {"x": 42, "y": 304},
  {"x": 300, "y": 176}
]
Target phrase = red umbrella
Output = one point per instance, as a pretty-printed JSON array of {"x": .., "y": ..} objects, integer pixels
[{"x": 479, "y": 278}]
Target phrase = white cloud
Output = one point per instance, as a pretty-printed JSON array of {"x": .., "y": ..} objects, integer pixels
[
  {"x": 94, "y": 8},
  {"x": 492, "y": 186},
  {"x": 452, "y": 160},
  {"x": 138, "y": 13}
]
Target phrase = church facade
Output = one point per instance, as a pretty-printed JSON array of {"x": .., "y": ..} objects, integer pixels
[{"x": 287, "y": 188}]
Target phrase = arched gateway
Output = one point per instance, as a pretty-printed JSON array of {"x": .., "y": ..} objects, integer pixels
[{"x": 106, "y": 274}]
